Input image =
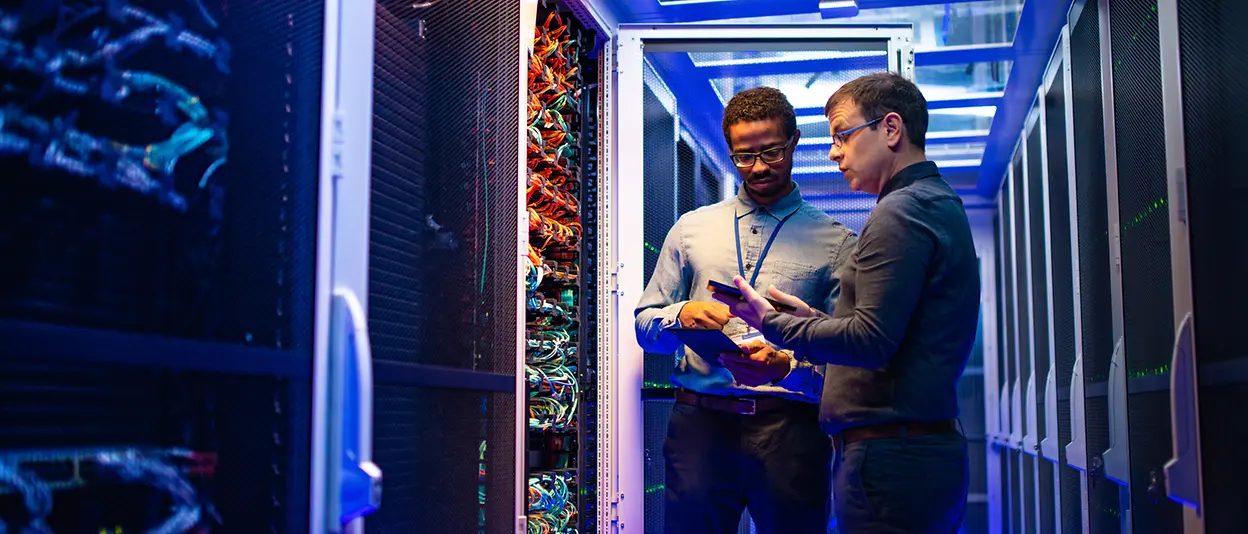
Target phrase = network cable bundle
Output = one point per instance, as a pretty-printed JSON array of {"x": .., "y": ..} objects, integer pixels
[
  {"x": 158, "y": 213},
  {"x": 561, "y": 158},
  {"x": 90, "y": 117},
  {"x": 178, "y": 478}
]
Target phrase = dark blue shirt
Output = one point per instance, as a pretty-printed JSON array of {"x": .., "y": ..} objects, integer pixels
[{"x": 903, "y": 328}]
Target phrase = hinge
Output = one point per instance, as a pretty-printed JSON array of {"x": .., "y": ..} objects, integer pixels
[
  {"x": 1180, "y": 184},
  {"x": 338, "y": 140}
]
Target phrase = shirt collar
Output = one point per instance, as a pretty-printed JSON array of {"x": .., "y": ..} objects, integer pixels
[
  {"x": 908, "y": 176},
  {"x": 780, "y": 209}
]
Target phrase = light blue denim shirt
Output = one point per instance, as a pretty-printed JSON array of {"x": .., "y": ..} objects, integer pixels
[{"x": 803, "y": 261}]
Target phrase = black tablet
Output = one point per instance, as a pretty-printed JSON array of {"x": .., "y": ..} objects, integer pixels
[
  {"x": 707, "y": 342},
  {"x": 732, "y": 291}
]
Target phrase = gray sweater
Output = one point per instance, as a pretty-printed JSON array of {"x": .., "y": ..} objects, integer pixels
[{"x": 903, "y": 328}]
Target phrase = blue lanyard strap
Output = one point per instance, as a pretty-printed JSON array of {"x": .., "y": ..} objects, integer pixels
[{"x": 758, "y": 266}]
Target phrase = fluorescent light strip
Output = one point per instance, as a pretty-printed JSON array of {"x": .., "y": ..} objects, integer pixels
[
  {"x": 957, "y": 133},
  {"x": 788, "y": 57},
  {"x": 827, "y": 141},
  {"x": 977, "y": 111},
  {"x": 684, "y": 2},
  {"x": 828, "y": 169}
]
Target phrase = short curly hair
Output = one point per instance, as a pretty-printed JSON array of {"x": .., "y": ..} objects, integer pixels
[{"x": 760, "y": 103}]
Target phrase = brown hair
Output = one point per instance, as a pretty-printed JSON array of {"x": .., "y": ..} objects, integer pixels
[{"x": 877, "y": 95}]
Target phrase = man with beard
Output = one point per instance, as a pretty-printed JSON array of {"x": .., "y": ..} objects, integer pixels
[{"x": 735, "y": 439}]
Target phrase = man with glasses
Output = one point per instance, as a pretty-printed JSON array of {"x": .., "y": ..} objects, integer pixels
[
  {"x": 903, "y": 329},
  {"x": 735, "y": 439}
]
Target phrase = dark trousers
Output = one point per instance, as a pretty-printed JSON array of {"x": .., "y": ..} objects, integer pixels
[
  {"x": 776, "y": 463},
  {"x": 895, "y": 485}
]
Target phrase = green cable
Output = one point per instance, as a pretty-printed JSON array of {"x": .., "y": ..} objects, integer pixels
[{"x": 485, "y": 173}]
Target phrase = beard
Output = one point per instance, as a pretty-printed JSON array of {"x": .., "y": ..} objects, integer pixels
[{"x": 768, "y": 185}]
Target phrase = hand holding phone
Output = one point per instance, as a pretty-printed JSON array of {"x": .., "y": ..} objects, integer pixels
[{"x": 730, "y": 290}]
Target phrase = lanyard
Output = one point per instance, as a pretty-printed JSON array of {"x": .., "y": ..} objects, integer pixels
[{"x": 758, "y": 266}]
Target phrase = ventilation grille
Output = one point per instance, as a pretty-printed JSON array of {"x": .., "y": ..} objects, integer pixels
[
  {"x": 1011, "y": 342},
  {"x": 447, "y": 454},
  {"x": 1211, "y": 36},
  {"x": 443, "y": 230},
  {"x": 1021, "y": 281},
  {"x": 255, "y": 426},
  {"x": 231, "y": 261}
]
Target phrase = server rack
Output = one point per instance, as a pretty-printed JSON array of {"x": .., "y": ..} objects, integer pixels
[
  {"x": 1203, "y": 102},
  {"x": 169, "y": 232},
  {"x": 485, "y": 195},
  {"x": 1058, "y": 138},
  {"x": 562, "y": 191},
  {"x": 1143, "y": 235}
]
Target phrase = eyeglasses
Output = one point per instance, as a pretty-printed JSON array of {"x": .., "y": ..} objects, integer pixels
[
  {"x": 770, "y": 156},
  {"x": 839, "y": 138}
]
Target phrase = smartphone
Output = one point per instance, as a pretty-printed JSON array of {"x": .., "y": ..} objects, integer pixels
[{"x": 731, "y": 290}]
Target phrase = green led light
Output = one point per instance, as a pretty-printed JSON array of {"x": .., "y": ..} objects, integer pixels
[
  {"x": 651, "y": 248},
  {"x": 654, "y": 489}
]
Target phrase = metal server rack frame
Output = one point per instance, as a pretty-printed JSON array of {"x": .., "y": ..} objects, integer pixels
[
  {"x": 584, "y": 457},
  {"x": 587, "y": 352}
]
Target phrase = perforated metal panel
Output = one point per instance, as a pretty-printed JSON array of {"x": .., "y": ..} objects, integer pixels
[
  {"x": 709, "y": 189},
  {"x": 1022, "y": 292},
  {"x": 1039, "y": 262},
  {"x": 1211, "y": 36},
  {"x": 447, "y": 454},
  {"x": 400, "y": 235},
  {"x": 1011, "y": 345},
  {"x": 217, "y": 247},
  {"x": 1148, "y": 311},
  {"x": 443, "y": 237},
  {"x": 659, "y": 146},
  {"x": 1060, "y": 242},
  {"x": 1147, "y": 295},
  {"x": 447, "y": 199},
  {"x": 686, "y": 179},
  {"x": 655, "y": 417},
  {"x": 999, "y": 252},
  {"x": 1093, "y": 246},
  {"x": 220, "y": 247},
  {"x": 261, "y": 480},
  {"x": 1018, "y": 504}
]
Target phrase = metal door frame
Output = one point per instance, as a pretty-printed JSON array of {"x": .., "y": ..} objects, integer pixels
[
  {"x": 1184, "y": 472},
  {"x": 623, "y": 444}
]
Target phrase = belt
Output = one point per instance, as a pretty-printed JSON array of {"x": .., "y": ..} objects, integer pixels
[
  {"x": 894, "y": 430},
  {"x": 737, "y": 405}
]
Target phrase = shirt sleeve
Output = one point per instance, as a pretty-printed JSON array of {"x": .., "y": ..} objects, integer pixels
[
  {"x": 667, "y": 292},
  {"x": 804, "y": 377},
  {"x": 843, "y": 252},
  {"x": 893, "y": 255}
]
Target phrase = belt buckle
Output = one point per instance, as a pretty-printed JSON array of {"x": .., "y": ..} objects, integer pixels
[{"x": 752, "y": 406}]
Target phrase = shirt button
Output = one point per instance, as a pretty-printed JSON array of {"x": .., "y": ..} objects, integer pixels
[
  {"x": 749, "y": 266},
  {"x": 754, "y": 230}
]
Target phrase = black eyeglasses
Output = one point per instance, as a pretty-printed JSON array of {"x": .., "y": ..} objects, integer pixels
[
  {"x": 839, "y": 138},
  {"x": 770, "y": 156}
]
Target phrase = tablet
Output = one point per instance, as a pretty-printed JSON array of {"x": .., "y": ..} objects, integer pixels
[
  {"x": 732, "y": 291},
  {"x": 707, "y": 342}
]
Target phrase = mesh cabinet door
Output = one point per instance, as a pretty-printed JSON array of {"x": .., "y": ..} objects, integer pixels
[
  {"x": 660, "y": 95},
  {"x": 161, "y": 213},
  {"x": 444, "y": 307},
  {"x": 1200, "y": 160}
]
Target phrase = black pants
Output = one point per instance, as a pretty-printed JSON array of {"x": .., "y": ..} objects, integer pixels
[
  {"x": 902, "y": 485},
  {"x": 776, "y": 463}
]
